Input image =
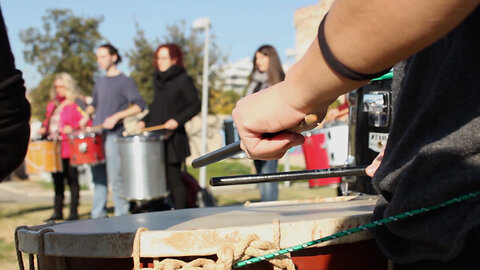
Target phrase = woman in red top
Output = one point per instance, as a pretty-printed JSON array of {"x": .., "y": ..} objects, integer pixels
[{"x": 64, "y": 114}]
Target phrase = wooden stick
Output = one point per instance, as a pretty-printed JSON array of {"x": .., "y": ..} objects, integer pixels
[{"x": 154, "y": 128}]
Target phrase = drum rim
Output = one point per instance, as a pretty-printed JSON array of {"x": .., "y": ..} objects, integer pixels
[
  {"x": 83, "y": 135},
  {"x": 143, "y": 137}
]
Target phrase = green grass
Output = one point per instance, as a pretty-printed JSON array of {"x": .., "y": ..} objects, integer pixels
[
  {"x": 6, "y": 249},
  {"x": 223, "y": 168}
]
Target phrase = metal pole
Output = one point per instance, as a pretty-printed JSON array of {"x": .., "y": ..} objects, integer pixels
[{"x": 203, "y": 170}]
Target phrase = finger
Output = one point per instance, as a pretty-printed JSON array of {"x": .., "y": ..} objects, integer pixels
[{"x": 273, "y": 148}]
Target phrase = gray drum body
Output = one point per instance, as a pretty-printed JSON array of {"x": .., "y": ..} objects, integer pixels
[{"x": 143, "y": 166}]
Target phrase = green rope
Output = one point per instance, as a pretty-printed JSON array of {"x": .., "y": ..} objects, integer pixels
[{"x": 357, "y": 229}]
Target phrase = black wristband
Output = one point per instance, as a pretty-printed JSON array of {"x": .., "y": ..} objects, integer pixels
[{"x": 335, "y": 64}]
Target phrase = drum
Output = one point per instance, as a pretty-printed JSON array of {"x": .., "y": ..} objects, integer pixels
[
  {"x": 86, "y": 148},
  {"x": 337, "y": 142},
  {"x": 369, "y": 124},
  {"x": 208, "y": 236},
  {"x": 43, "y": 156},
  {"x": 316, "y": 156},
  {"x": 143, "y": 166}
]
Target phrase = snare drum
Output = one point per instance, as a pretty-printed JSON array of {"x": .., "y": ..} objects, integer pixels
[
  {"x": 143, "y": 166},
  {"x": 86, "y": 148},
  {"x": 43, "y": 156},
  {"x": 211, "y": 234}
]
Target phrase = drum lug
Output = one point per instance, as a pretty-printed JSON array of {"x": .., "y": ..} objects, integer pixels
[{"x": 83, "y": 147}]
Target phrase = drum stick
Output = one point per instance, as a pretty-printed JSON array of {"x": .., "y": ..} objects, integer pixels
[
  {"x": 309, "y": 122},
  {"x": 154, "y": 128},
  {"x": 287, "y": 176}
]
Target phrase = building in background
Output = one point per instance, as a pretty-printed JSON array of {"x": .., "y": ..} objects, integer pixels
[{"x": 306, "y": 21}]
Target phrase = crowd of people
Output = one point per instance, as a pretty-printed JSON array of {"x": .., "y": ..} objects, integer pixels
[{"x": 432, "y": 152}]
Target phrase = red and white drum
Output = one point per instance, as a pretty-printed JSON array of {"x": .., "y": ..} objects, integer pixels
[
  {"x": 209, "y": 236},
  {"x": 86, "y": 148}
]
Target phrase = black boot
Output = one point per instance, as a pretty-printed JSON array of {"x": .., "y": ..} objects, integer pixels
[{"x": 57, "y": 209}]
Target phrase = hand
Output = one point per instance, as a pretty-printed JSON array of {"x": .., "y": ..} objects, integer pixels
[
  {"x": 268, "y": 111},
  {"x": 110, "y": 122},
  {"x": 140, "y": 126},
  {"x": 171, "y": 124},
  {"x": 42, "y": 131},
  {"x": 83, "y": 122},
  {"x": 67, "y": 129},
  {"x": 372, "y": 168}
]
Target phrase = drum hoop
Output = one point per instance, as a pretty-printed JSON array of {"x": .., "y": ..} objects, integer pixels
[{"x": 83, "y": 135}]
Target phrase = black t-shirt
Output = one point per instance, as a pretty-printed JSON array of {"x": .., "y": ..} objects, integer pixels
[
  {"x": 433, "y": 150},
  {"x": 14, "y": 109}
]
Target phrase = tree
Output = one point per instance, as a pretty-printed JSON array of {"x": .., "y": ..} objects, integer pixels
[
  {"x": 66, "y": 44},
  {"x": 140, "y": 59},
  {"x": 192, "y": 47}
]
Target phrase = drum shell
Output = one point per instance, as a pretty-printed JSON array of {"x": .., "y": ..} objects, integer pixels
[
  {"x": 360, "y": 131},
  {"x": 193, "y": 233},
  {"x": 143, "y": 167},
  {"x": 86, "y": 148},
  {"x": 316, "y": 156},
  {"x": 43, "y": 156}
]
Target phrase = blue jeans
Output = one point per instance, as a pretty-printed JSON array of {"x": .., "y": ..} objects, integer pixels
[
  {"x": 268, "y": 191},
  {"x": 112, "y": 169}
]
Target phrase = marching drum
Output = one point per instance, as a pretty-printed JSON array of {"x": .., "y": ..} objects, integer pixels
[
  {"x": 316, "y": 156},
  {"x": 43, "y": 156},
  {"x": 369, "y": 124},
  {"x": 207, "y": 237},
  {"x": 337, "y": 142},
  {"x": 86, "y": 148},
  {"x": 143, "y": 166}
]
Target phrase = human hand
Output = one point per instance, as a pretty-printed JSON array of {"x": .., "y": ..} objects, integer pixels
[
  {"x": 140, "y": 126},
  {"x": 268, "y": 111},
  {"x": 67, "y": 129},
  {"x": 372, "y": 168},
  {"x": 42, "y": 131},
  {"x": 171, "y": 124},
  {"x": 110, "y": 122},
  {"x": 83, "y": 122}
]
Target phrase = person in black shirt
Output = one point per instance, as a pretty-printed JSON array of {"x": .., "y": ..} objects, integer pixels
[
  {"x": 14, "y": 109},
  {"x": 175, "y": 102}
]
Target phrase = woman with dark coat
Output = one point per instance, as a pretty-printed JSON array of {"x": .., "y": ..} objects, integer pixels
[{"x": 175, "y": 102}]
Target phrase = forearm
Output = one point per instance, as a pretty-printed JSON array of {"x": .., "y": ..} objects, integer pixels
[
  {"x": 134, "y": 109},
  {"x": 369, "y": 36}
]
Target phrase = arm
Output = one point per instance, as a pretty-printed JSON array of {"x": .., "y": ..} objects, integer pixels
[
  {"x": 364, "y": 40},
  {"x": 133, "y": 97}
]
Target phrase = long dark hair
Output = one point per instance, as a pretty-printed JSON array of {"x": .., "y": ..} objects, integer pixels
[
  {"x": 112, "y": 51},
  {"x": 275, "y": 71},
  {"x": 173, "y": 50}
]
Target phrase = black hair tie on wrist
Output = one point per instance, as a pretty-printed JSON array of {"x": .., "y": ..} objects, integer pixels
[{"x": 335, "y": 64}]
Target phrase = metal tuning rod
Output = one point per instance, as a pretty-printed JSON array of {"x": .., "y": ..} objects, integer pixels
[{"x": 287, "y": 176}]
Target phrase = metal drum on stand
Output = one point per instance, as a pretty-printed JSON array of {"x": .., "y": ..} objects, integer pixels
[
  {"x": 369, "y": 124},
  {"x": 143, "y": 166}
]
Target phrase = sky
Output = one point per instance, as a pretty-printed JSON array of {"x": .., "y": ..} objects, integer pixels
[{"x": 240, "y": 27}]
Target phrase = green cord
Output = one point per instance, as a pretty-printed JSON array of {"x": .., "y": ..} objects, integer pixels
[{"x": 357, "y": 229}]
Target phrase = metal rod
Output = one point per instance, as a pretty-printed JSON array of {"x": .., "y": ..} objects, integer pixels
[
  {"x": 287, "y": 176},
  {"x": 217, "y": 155}
]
